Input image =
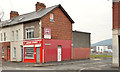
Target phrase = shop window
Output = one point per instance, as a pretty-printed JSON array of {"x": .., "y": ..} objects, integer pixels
[
  {"x": 2, "y": 52},
  {"x": 14, "y": 52},
  {"x": 4, "y": 36},
  {"x": 29, "y": 53},
  {"x": 51, "y": 17},
  {"x": 29, "y": 33},
  {"x": 16, "y": 34},
  {"x": 12, "y": 35}
]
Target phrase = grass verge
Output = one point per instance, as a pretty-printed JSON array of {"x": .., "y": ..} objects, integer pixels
[{"x": 100, "y": 56}]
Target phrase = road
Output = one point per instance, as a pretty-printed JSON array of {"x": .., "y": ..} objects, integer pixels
[{"x": 91, "y": 64}]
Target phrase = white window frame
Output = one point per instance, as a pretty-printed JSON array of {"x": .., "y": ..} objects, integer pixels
[
  {"x": 1, "y": 36},
  {"x": 28, "y": 31},
  {"x": 51, "y": 17},
  {"x": 4, "y": 36},
  {"x": 16, "y": 34},
  {"x": 3, "y": 50},
  {"x": 14, "y": 52},
  {"x": 12, "y": 35}
]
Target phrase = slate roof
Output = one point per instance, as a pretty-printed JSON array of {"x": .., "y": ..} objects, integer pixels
[{"x": 32, "y": 16}]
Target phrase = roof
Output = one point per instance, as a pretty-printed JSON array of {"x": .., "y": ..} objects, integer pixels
[
  {"x": 33, "y": 16},
  {"x": 81, "y": 32}
]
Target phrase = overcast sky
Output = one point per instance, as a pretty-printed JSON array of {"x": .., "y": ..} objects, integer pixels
[{"x": 94, "y": 16}]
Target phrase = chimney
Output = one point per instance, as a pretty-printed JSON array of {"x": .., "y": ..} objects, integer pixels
[
  {"x": 13, "y": 14},
  {"x": 40, "y": 6}
]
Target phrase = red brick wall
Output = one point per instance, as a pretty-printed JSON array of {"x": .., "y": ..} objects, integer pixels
[
  {"x": 50, "y": 51},
  {"x": 5, "y": 45},
  {"x": 61, "y": 28},
  {"x": 116, "y": 15},
  {"x": 81, "y": 53}
]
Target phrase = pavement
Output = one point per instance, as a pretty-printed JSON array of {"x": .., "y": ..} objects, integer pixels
[{"x": 88, "y": 64}]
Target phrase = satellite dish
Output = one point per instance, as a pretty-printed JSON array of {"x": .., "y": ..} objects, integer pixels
[{"x": 1, "y": 13}]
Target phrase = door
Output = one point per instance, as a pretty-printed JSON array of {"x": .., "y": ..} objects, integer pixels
[
  {"x": 38, "y": 55},
  {"x": 21, "y": 53},
  {"x": 59, "y": 53},
  {"x": 119, "y": 49},
  {"x": 9, "y": 53}
]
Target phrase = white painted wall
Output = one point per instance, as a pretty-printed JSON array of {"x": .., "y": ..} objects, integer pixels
[
  {"x": 115, "y": 48},
  {"x": 16, "y": 43}
]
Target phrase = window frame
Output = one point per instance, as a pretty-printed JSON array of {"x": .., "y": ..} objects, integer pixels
[
  {"x": 4, "y": 36},
  {"x": 3, "y": 52},
  {"x": 16, "y": 34},
  {"x": 28, "y": 31},
  {"x": 1, "y": 37},
  {"x": 14, "y": 52},
  {"x": 52, "y": 17},
  {"x": 12, "y": 35}
]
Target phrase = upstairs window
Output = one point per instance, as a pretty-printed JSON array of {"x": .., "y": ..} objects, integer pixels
[
  {"x": 16, "y": 34},
  {"x": 29, "y": 33},
  {"x": 1, "y": 36},
  {"x": 12, "y": 35},
  {"x": 4, "y": 36},
  {"x": 2, "y": 52},
  {"x": 51, "y": 17}
]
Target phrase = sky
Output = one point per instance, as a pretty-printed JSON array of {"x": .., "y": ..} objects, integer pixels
[{"x": 93, "y": 16}]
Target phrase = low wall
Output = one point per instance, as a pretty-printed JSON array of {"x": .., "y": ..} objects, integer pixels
[{"x": 81, "y": 53}]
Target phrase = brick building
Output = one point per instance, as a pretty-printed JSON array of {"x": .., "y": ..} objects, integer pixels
[
  {"x": 116, "y": 33},
  {"x": 40, "y": 36},
  {"x": 43, "y": 35}
]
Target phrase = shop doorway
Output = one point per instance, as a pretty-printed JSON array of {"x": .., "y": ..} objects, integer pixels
[
  {"x": 38, "y": 54},
  {"x": 59, "y": 53}
]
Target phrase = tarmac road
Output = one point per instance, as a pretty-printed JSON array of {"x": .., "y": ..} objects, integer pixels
[{"x": 91, "y": 64}]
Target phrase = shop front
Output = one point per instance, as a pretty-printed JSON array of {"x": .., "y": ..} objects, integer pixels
[{"x": 33, "y": 51}]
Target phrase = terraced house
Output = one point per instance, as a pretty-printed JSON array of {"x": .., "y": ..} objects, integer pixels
[{"x": 40, "y": 36}]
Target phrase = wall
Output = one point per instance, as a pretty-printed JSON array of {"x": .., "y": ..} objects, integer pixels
[
  {"x": 35, "y": 25},
  {"x": 81, "y": 45},
  {"x": 81, "y": 53},
  {"x": 5, "y": 45},
  {"x": 50, "y": 51},
  {"x": 61, "y": 28},
  {"x": 80, "y": 39},
  {"x": 116, "y": 32},
  {"x": 116, "y": 15},
  {"x": 16, "y": 43},
  {"x": 115, "y": 48}
]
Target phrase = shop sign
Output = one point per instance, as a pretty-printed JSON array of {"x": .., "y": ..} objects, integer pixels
[
  {"x": 31, "y": 42},
  {"x": 47, "y": 44},
  {"x": 47, "y": 33}
]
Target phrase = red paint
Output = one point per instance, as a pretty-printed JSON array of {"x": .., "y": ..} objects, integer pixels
[
  {"x": 9, "y": 53},
  {"x": 41, "y": 52},
  {"x": 32, "y": 42},
  {"x": 51, "y": 47},
  {"x": 81, "y": 53}
]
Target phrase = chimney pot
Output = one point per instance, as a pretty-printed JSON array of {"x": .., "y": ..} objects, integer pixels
[
  {"x": 13, "y": 14},
  {"x": 40, "y": 6}
]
